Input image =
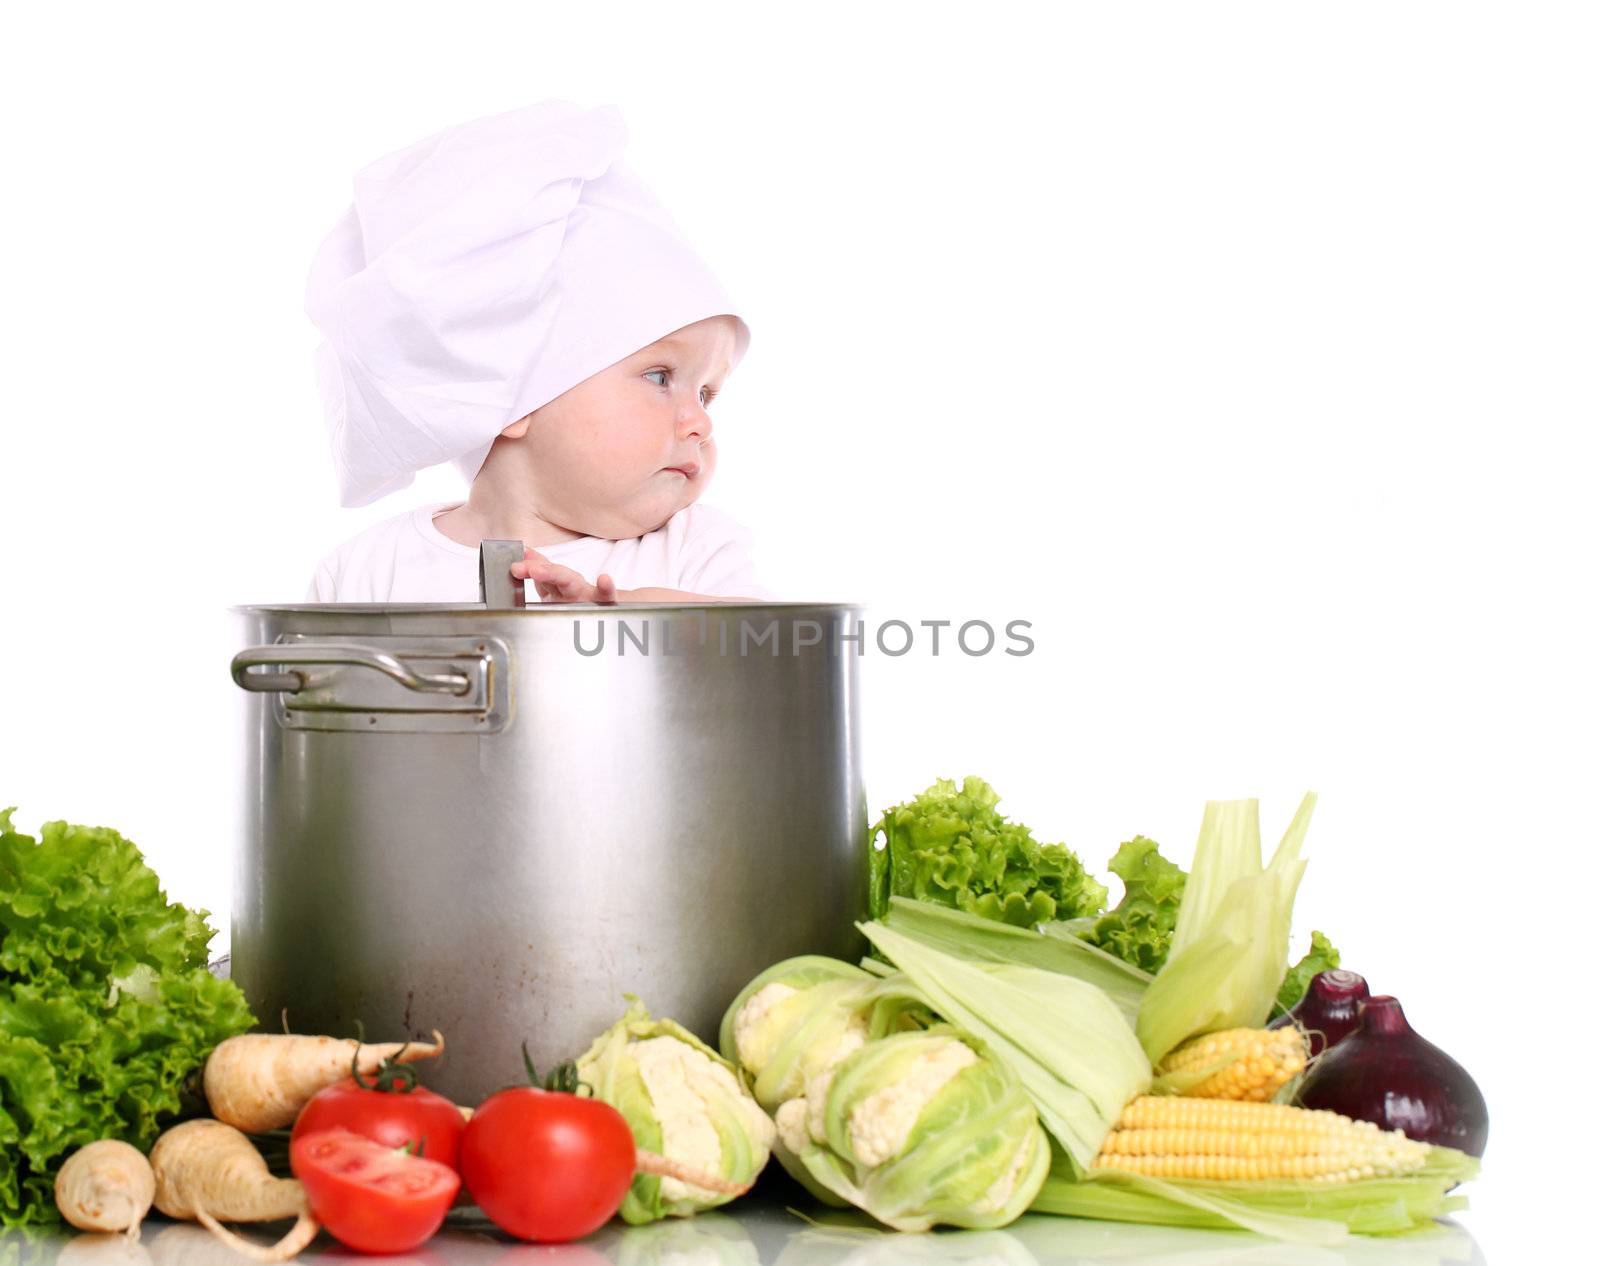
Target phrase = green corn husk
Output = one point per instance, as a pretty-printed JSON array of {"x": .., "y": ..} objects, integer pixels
[
  {"x": 985, "y": 940},
  {"x": 1297, "y": 1212},
  {"x": 669, "y": 1085},
  {"x": 1232, "y": 936},
  {"x": 1066, "y": 1041}
]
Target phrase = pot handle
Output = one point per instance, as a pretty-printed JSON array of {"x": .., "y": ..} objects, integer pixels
[
  {"x": 292, "y": 682},
  {"x": 497, "y": 589}
]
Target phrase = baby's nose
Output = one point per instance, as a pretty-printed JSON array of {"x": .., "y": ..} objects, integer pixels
[{"x": 694, "y": 422}]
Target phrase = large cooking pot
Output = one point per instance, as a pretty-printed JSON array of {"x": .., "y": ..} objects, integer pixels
[{"x": 497, "y": 820}]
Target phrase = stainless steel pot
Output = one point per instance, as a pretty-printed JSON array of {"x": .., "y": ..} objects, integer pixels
[{"x": 463, "y": 818}]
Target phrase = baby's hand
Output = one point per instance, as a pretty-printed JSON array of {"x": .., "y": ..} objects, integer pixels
[{"x": 556, "y": 583}]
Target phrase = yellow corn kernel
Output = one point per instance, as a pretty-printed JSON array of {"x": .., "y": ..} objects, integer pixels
[
  {"x": 1167, "y": 1136},
  {"x": 1250, "y": 1064}
]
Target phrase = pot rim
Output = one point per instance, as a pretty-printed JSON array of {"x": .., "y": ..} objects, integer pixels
[{"x": 535, "y": 609}]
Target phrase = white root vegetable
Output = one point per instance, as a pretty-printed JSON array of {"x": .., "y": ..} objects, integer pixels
[
  {"x": 260, "y": 1081},
  {"x": 208, "y": 1172},
  {"x": 106, "y": 1186}
]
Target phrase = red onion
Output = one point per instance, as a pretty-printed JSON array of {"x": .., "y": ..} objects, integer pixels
[
  {"x": 1328, "y": 1011},
  {"x": 1388, "y": 1074}
]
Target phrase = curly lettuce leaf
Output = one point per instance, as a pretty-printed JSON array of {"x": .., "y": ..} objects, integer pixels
[
  {"x": 952, "y": 847},
  {"x": 1139, "y": 930},
  {"x": 1321, "y": 957},
  {"x": 105, "y": 1004}
]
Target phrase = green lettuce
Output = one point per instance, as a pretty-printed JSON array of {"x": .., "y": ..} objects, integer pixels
[
  {"x": 1139, "y": 930},
  {"x": 1322, "y": 957},
  {"x": 950, "y": 846},
  {"x": 106, "y": 1004}
]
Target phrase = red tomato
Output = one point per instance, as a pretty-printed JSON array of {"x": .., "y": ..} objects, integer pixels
[
  {"x": 371, "y": 1198},
  {"x": 427, "y": 1123},
  {"x": 547, "y": 1166}
]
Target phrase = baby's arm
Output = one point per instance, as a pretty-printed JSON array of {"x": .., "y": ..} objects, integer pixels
[
  {"x": 674, "y": 595},
  {"x": 556, "y": 583}
]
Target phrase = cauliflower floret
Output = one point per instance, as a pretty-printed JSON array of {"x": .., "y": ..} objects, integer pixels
[
  {"x": 851, "y": 1039},
  {"x": 681, "y": 1081},
  {"x": 791, "y": 1121},
  {"x": 753, "y": 1041},
  {"x": 882, "y": 1122}
]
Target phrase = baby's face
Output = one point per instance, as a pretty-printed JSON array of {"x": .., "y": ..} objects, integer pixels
[{"x": 622, "y": 452}]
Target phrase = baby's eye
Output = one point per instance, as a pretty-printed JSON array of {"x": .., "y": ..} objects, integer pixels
[{"x": 662, "y": 378}]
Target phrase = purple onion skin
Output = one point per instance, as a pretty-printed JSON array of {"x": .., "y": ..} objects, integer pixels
[
  {"x": 1388, "y": 1074},
  {"x": 1328, "y": 1011}
]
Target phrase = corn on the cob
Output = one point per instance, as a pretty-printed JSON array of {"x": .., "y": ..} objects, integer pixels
[
  {"x": 1250, "y": 1064},
  {"x": 1167, "y": 1136}
]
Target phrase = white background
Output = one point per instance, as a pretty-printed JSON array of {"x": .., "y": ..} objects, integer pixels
[{"x": 1248, "y": 351}]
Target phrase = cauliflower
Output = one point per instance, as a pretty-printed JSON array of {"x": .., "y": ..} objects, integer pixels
[
  {"x": 791, "y": 1122},
  {"x": 681, "y": 1100},
  {"x": 881, "y": 1122},
  {"x": 784, "y": 1026},
  {"x": 822, "y": 1067},
  {"x": 754, "y": 1039},
  {"x": 684, "y": 1083},
  {"x": 918, "y": 1128},
  {"x": 878, "y": 1105},
  {"x": 1023, "y": 1163}
]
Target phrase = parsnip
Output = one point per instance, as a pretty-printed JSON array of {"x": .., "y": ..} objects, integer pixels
[
  {"x": 106, "y": 1186},
  {"x": 208, "y": 1172},
  {"x": 260, "y": 1081}
]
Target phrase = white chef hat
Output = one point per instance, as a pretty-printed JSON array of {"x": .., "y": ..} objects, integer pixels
[{"x": 479, "y": 274}]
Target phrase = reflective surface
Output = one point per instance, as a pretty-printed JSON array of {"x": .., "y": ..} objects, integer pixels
[{"x": 764, "y": 1233}]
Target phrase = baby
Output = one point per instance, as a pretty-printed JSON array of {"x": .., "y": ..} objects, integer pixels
[{"x": 508, "y": 296}]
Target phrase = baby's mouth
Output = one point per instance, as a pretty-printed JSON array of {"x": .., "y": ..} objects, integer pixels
[{"x": 688, "y": 472}]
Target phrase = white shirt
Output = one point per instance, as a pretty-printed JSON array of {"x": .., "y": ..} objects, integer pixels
[{"x": 407, "y": 559}]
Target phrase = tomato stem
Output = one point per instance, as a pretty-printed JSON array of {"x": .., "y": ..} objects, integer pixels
[
  {"x": 391, "y": 1077},
  {"x": 563, "y": 1078}
]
